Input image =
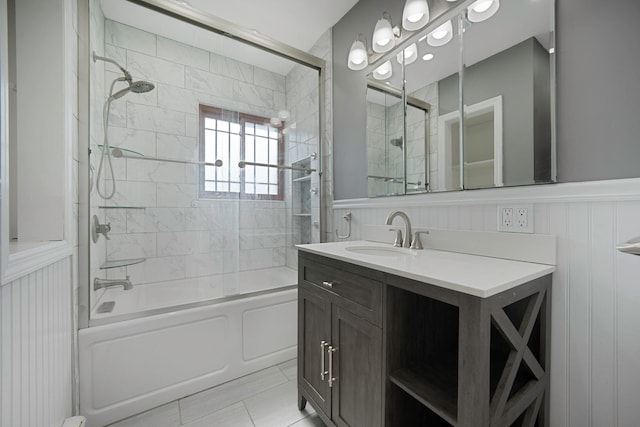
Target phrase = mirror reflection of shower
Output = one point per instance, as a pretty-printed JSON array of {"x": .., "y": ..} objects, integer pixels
[{"x": 135, "y": 87}]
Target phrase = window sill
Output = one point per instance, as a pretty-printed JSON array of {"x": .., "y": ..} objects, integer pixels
[{"x": 27, "y": 257}]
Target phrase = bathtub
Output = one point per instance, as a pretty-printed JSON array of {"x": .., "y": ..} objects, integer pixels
[{"x": 165, "y": 341}]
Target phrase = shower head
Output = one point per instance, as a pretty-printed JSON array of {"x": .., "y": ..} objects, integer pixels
[
  {"x": 135, "y": 87},
  {"x": 141, "y": 87},
  {"x": 396, "y": 142}
]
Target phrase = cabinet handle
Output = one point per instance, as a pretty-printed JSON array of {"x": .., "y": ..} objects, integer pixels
[
  {"x": 328, "y": 284},
  {"x": 331, "y": 378},
  {"x": 323, "y": 373}
]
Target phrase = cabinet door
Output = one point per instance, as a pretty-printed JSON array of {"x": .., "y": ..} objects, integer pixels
[
  {"x": 357, "y": 369},
  {"x": 314, "y": 327}
]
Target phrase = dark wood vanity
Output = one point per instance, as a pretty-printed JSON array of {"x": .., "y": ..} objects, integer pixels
[{"x": 377, "y": 349}]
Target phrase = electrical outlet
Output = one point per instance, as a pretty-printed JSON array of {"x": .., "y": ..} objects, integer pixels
[
  {"x": 516, "y": 218},
  {"x": 507, "y": 217},
  {"x": 522, "y": 215}
]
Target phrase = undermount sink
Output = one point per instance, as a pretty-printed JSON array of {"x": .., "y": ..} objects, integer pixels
[{"x": 379, "y": 251}]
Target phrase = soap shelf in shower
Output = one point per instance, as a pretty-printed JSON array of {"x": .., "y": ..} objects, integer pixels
[
  {"x": 121, "y": 207},
  {"x": 121, "y": 263}
]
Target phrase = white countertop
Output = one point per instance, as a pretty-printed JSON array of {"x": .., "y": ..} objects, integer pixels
[{"x": 471, "y": 274}]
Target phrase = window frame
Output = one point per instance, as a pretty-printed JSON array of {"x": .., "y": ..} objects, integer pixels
[{"x": 208, "y": 111}]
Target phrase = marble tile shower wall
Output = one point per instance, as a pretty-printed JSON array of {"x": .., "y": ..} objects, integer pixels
[{"x": 182, "y": 236}]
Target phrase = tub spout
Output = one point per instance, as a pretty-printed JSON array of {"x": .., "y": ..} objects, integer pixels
[{"x": 109, "y": 283}]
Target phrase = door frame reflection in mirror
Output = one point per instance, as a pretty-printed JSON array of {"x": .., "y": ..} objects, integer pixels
[{"x": 445, "y": 138}]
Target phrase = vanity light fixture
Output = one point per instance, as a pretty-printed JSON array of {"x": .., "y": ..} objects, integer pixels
[
  {"x": 284, "y": 115},
  {"x": 428, "y": 56},
  {"x": 384, "y": 38},
  {"x": 415, "y": 14},
  {"x": 441, "y": 35},
  {"x": 481, "y": 10},
  {"x": 410, "y": 54},
  {"x": 274, "y": 121},
  {"x": 358, "y": 58},
  {"x": 383, "y": 72}
]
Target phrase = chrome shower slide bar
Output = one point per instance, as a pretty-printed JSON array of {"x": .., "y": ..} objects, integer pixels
[
  {"x": 266, "y": 165},
  {"x": 119, "y": 154}
]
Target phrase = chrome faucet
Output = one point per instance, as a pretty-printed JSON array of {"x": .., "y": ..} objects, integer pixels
[
  {"x": 109, "y": 283},
  {"x": 407, "y": 228}
]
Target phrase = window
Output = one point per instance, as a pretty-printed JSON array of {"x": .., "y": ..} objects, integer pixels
[{"x": 233, "y": 137}]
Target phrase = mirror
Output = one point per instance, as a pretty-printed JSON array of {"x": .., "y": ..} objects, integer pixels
[{"x": 507, "y": 135}]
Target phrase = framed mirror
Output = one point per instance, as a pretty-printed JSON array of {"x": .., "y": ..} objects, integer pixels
[{"x": 495, "y": 62}]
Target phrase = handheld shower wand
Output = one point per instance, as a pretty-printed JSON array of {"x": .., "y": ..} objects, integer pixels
[{"x": 135, "y": 87}]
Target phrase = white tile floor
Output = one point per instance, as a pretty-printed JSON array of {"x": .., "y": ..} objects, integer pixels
[{"x": 267, "y": 398}]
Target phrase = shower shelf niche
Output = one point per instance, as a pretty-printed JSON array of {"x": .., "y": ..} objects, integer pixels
[
  {"x": 302, "y": 192},
  {"x": 121, "y": 263}
]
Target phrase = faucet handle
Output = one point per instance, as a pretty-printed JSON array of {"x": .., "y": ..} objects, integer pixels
[
  {"x": 416, "y": 243},
  {"x": 398, "y": 242}
]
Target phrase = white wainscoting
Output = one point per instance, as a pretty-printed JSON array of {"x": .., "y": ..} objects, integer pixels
[
  {"x": 595, "y": 349},
  {"x": 37, "y": 338}
]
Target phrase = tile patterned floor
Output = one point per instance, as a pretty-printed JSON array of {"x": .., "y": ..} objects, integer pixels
[{"x": 267, "y": 398}]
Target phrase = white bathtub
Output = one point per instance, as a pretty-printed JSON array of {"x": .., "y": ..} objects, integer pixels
[{"x": 130, "y": 366}]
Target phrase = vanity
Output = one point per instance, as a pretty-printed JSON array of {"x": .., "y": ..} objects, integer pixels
[{"x": 398, "y": 337}]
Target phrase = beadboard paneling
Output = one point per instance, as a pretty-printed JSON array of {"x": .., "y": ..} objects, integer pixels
[
  {"x": 595, "y": 338},
  {"x": 37, "y": 337}
]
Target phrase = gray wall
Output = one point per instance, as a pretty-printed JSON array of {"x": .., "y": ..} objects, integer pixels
[
  {"x": 598, "y": 89},
  {"x": 598, "y": 92}
]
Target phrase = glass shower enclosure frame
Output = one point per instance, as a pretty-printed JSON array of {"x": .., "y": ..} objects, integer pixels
[{"x": 298, "y": 180}]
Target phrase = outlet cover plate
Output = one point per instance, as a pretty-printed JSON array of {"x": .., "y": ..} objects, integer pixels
[{"x": 515, "y": 218}]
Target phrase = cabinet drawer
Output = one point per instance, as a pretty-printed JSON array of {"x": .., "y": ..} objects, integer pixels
[{"x": 360, "y": 294}]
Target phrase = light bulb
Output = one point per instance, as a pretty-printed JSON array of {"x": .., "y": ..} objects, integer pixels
[
  {"x": 441, "y": 35},
  {"x": 482, "y": 10},
  {"x": 383, "y": 72},
  {"x": 415, "y": 14},
  {"x": 357, "y": 59},
  {"x": 415, "y": 17},
  {"x": 482, "y": 6},
  {"x": 383, "y": 38}
]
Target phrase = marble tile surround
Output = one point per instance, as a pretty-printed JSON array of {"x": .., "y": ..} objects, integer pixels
[{"x": 180, "y": 235}]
